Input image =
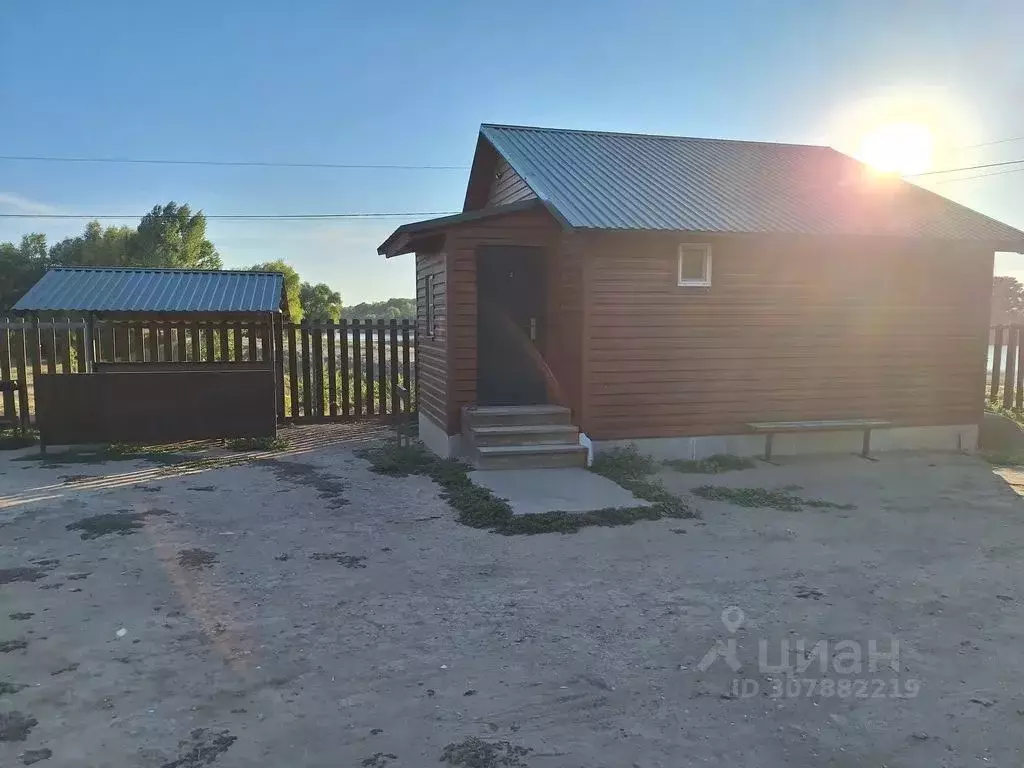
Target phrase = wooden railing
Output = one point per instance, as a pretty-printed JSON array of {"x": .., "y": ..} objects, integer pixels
[{"x": 325, "y": 372}]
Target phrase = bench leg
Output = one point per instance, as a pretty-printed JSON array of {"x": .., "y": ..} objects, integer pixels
[
  {"x": 768, "y": 446},
  {"x": 866, "y": 447}
]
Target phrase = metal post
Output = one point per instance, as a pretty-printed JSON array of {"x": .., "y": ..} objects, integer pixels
[{"x": 272, "y": 338}]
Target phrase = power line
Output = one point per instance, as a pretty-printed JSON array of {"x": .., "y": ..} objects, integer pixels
[
  {"x": 992, "y": 143},
  {"x": 965, "y": 168},
  {"x": 238, "y": 163},
  {"x": 979, "y": 176},
  {"x": 239, "y": 216}
]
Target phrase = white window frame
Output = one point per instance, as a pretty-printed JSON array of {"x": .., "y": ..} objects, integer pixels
[{"x": 704, "y": 282}]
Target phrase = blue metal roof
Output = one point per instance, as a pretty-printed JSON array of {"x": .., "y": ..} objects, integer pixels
[
  {"x": 641, "y": 182},
  {"x": 108, "y": 289}
]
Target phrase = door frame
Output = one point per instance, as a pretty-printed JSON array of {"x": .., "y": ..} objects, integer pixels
[{"x": 538, "y": 255}]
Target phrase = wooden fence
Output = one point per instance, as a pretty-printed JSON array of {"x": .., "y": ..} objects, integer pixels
[
  {"x": 1005, "y": 369},
  {"x": 325, "y": 372}
]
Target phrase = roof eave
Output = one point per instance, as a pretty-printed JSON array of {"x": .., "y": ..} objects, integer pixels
[{"x": 402, "y": 237}]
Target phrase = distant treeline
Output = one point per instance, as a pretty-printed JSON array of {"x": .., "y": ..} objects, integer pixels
[{"x": 391, "y": 309}]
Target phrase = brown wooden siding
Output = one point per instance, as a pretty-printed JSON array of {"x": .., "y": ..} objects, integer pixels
[
  {"x": 432, "y": 351},
  {"x": 507, "y": 186},
  {"x": 789, "y": 330},
  {"x": 563, "y": 341},
  {"x": 529, "y": 228}
]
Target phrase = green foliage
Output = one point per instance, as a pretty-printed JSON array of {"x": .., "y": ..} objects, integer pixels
[
  {"x": 173, "y": 236},
  {"x": 17, "y": 437},
  {"x": 712, "y": 465},
  {"x": 319, "y": 303},
  {"x": 96, "y": 247},
  {"x": 1007, "y": 300},
  {"x": 257, "y": 444},
  {"x": 777, "y": 498},
  {"x": 168, "y": 236},
  {"x": 391, "y": 309},
  {"x": 292, "y": 285},
  {"x": 20, "y": 267},
  {"x": 477, "y": 507},
  {"x": 631, "y": 469}
]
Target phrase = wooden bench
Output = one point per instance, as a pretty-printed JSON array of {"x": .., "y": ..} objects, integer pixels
[{"x": 769, "y": 428}]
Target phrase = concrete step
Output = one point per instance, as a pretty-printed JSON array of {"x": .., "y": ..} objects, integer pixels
[
  {"x": 517, "y": 415},
  {"x": 526, "y": 434},
  {"x": 530, "y": 456}
]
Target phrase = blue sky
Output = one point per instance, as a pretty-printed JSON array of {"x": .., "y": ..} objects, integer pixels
[{"x": 409, "y": 82}]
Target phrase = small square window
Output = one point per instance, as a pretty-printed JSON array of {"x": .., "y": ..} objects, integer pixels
[{"x": 694, "y": 264}]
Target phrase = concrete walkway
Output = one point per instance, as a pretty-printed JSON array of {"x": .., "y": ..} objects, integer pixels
[{"x": 534, "y": 491}]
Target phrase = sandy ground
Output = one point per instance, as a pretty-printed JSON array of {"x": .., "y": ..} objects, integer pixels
[{"x": 304, "y": 612}]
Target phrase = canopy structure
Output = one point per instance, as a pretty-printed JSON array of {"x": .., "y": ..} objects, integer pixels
[{"x": 131, "y": 291}]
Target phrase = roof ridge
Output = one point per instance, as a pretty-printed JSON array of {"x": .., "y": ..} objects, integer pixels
[
  {"x": 632, "y": 134},
  {"x": 201, "y": 270}
]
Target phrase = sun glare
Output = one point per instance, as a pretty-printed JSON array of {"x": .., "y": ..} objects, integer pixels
[{"x": 902, "y": 148}]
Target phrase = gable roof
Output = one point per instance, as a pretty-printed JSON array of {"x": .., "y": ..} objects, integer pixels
[
  {"x": 114, "y": 289},
  {"x": 622, "y": 181}
]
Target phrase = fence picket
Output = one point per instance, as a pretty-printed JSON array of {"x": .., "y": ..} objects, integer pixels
[
  {"x": 293, "y": 372},
  {"x": 318, "y": 371},
  {"x": 344, "y": 369},
  {"x": 5, "y": 366},
  {"x": 357, "y": 369},
  {"x": 1010, "y": 372},
  {"x": 393, "y": 365},
  {"x": 997, "y": 361},
  {"x": 405, "y": 366},
  {"x": 332, "y": 385},
  {"x": 369, "y": 375}
]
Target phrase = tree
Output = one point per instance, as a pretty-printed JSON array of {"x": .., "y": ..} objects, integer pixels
[
  {"x": 292, "y": 285},
  {"x": 20, "y": 267},
  {"x": 96, "y": 247},
  {"x": 391, "y": 309},
  {"x": 319, "y": 303},
  {"x": 172, "y": 236},
  {"x": 1007, "y": 300}
]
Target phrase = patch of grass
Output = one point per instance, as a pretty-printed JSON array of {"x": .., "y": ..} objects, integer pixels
[
  {"x": 712, "y": 465},
  {"x": 1003, "y": 459},
  {"x": 114, "y": 452},
  {"x": 257, "y": 444},
  {"x": 15, "y": 725},
  {"x": 196, "y": 558},
  {"x": 477, "y": 753},
  {"x": 121, "y": 523},
  {"x": 9, "y": 646},
  {"x": 8, "y": 688},
  {"x": 478, "y": 507},
  {"x": 777, "y": 498},
  {"x": 349, "y": 561},
  {"x": 202, "y": 748},
  {"x": 21, "y": 615},
  {"x": 17, "y": 437},
  {"x": 21, "y": 573},
  {"x": 630, "y": 469}
]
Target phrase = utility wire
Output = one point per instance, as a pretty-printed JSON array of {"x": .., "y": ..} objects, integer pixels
[
  {"x": 992, "y": 143},
  {"x": 239, "y": 163},
  {"x": 979, "y": 176},
  {"x": 965, "y": 168},
  {"x": 238, "y": 216}
]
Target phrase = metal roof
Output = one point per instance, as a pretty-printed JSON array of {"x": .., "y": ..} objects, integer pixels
[
  {"x": 109, "y": 289},
  {"x": 641, "y": 182}
]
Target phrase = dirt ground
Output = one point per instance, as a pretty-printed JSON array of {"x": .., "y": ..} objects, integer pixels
[{"x": 302, "y": 611}]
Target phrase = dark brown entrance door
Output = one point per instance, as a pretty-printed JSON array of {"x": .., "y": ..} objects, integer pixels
[{"x": 510, "y": 319}]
